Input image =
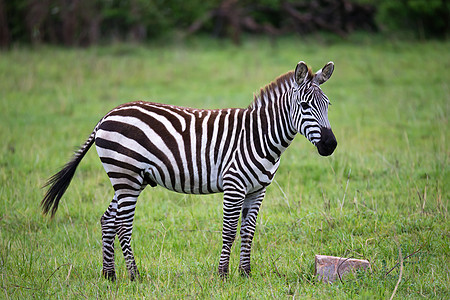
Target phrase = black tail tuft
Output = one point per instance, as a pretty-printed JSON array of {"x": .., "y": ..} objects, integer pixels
[
  {"x": 61, "y": 180},
  {"x": 59, "y": 184}
]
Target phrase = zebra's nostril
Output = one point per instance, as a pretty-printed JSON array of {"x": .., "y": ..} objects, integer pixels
[{"x": 333, "y": 143}]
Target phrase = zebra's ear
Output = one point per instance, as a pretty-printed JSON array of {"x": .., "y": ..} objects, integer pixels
[
  {"x": 301, "y": 71},
  {"x": 324, "y": 74}
]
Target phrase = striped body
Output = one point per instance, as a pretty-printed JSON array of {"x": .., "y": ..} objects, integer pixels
[
  {"x": 194, "y": 151},
  {"x": 182, "y": 149}
]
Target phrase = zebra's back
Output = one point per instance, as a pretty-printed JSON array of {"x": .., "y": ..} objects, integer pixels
[{"x": 183, "y": 149}]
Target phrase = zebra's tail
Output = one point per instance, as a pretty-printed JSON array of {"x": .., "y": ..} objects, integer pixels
[{"x": 61, "y": 180}]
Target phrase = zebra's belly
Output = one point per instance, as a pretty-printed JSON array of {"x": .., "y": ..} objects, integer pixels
[{"x": 200, "y": 182}]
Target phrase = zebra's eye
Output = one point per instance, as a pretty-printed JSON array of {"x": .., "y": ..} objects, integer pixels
[{"x": 304, "y": 105}]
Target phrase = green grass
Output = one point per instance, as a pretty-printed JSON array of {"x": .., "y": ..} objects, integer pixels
[{"x": 384, "y": 188}]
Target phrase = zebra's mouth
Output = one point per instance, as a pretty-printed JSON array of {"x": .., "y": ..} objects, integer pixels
[{"x": 327, "y": 142}]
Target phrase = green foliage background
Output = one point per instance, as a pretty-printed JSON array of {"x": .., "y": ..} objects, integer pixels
[
  {"x": 423, "y": 18},
  {"x": 74, "y": 22}
]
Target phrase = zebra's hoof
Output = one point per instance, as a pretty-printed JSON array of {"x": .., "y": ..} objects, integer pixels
[
  {"x": 245, "y": 272},
  {"x": 223, "y": 274},
  {"x": 109, "y": 274},
  {"x": 135, "y": 276}
]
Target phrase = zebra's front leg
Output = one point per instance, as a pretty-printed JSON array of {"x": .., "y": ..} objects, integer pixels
[
  {"x": 250, "y": 210},
  {"x": 108, "y": 235},
  {"x": 232, "y": 204}
]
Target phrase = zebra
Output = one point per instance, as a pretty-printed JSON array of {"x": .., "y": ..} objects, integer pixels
[{"x": 201, "y": 151}]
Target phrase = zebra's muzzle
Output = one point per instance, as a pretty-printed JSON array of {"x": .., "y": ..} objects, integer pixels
[{"x": 327, "y": 142}]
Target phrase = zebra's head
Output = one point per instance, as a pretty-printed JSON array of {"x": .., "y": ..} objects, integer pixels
[{"x": 309, "y": 110}]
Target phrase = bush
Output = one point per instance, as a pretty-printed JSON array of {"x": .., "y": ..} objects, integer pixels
[
  {"x": 426, "y": 18},
  {"x": 84, "y": 22}
]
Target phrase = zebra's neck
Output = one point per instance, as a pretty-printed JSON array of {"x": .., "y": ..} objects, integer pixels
[
  {"x": 274, "y": 91},
  {"x": 270, "y": 116}
]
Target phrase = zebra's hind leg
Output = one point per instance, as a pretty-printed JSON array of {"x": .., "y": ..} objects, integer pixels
[
  {"x": 108, "y": 235},
  {"x": 232, "y": 204},
  {"x": 250, "y": 210},
  {"x": 127, "y": 199}
]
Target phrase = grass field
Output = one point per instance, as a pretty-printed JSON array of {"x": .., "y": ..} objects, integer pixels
[{"x": 385, "y": 189}]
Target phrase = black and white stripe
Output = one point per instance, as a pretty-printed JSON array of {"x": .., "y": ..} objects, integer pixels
[{"x": 234, "y": 151}]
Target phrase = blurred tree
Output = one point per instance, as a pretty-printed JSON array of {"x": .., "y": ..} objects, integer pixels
[
  {"x": 426, "y": 18},
  {"x": 5, "y": 37},
  {"x": 35, "y": 15},
  {"x": 85, "y": 22},
  {"x": 274, "y": 17}
]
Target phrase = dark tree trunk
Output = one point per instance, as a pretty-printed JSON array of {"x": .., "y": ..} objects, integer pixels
[
  {"x": 37, "y": 12},
  {"x": 5, "y": 37},
  {"x": 338, "y": 16}
]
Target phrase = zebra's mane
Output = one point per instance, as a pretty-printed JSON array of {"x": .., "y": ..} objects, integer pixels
[{"x": 281, "y": 84}]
